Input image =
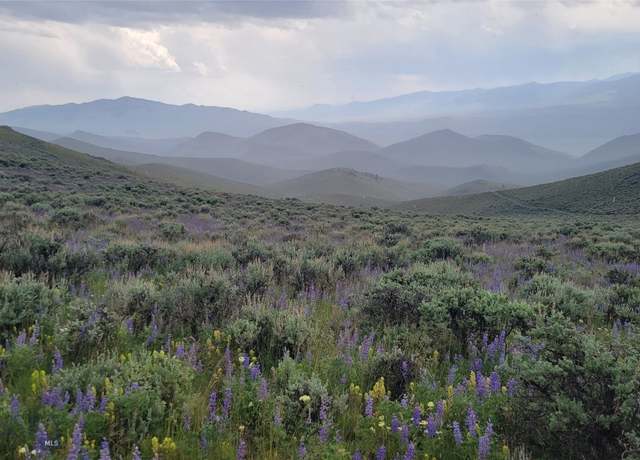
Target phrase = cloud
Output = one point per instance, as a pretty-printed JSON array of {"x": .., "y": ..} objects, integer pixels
[
  {"x": 271, "y": 55},
  {"x": 149, "y": 12}
]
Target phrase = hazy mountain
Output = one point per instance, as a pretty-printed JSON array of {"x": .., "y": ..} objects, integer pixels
[
  {"x": 228, "y": 168},
  {"x": 42, "y": 135},
  {"x": 620, "y": 148},
  {"x": 616, "y": 191},
  {"x": 189, "y": 178},
  {"x": 322, "y": 185},
  {"x": 161, "y": 146},
  {"x": 448, "y": 148},
  {"x": 621, "y": 91},
  {"x": 477, "y": 186},
  {"x": 129, "y": 116},
  {"x": 210, "y": 144}
]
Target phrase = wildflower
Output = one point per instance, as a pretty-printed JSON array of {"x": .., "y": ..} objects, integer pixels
[
  {"x": 471, "y": 421},
  {"x": 104, "y": 450},
  {"x": 263, "y": 390},
  {"x": 305, "y": 398},
  {"x": 228, "y": 363},
  {"x": 404, "y": 402},
  {"x": 356, "y": 455},
  {"x": 277, "y": 416},
  {"x": 511, "y": 386},
  {"x": 457, "y": 433},
  {"x": 411, "y": 452},
  {"x": 135, "y": 455},
  {"x": 368, "y": 408},
  {"x": 481, "y": 388},
  {"x": 241, "y": 453},
  {"x": 302, "y": 450},
  {"x": 58, "y": 363},
  {"x": 76, "y": 440},
  {"x": 451, "y": 376},
  {"x": 14, "y": 407},
  {"x": 254, "y": 371},
  {"x": 226, "y": 402},
  {"x": 381, "y": 453},
  {"x": 484, "y": 442},
  {"x": 41, "y": 441},
  {"x": 378, "y": 392},
  {"x": 395, "y": 424},
  {"x": 404, "y": 434},
  {"x": 431, "y": 427},
  {"x": 324, "y": 419},
  {"x": 495, "y": 382},
  {"x": 415, "y": 417},
  {"x": 213, "y": 398}
]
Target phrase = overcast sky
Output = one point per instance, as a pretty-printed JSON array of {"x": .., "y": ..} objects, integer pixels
[{"x": 275, "y": 55}]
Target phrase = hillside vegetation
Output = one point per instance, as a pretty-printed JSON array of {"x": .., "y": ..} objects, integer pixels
[
  {"x": 140, "y": 319},
  {"x": 616, "y": 191}
]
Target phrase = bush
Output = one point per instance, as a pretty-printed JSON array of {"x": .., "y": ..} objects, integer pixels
[{"x": 438, "y": 249}]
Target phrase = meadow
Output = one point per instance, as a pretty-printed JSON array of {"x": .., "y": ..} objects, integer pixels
[{"x": 145, "y": 320}]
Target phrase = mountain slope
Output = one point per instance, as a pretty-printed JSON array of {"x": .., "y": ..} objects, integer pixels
[
  {"x": 341, "y": 182},
  {"x": 448, "y": 148},
  {"x": 210, "y": 144},
  {"x": 188, "y": 178},
  {"x": 616, "y": 191},
  {"x": 620, "y": 148},
  {"x": 477, "y": 186},
  {"x": 129, "y": 116}
]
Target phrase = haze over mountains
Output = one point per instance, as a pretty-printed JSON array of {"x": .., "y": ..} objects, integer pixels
[{"x": 243, "y": 152}]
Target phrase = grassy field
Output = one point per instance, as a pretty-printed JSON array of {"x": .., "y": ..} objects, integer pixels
[{"x": 145, "y": 320}]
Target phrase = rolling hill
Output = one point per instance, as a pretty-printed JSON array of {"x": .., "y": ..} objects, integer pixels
[
  {"x": 623, "y": 148},
  {"x": 477, "y": 186},
  {"x": 129, "y": 116},
  {"x": 616, "y": 191},
  {"x": 350, "y": 186},
  {"x": 448, "y": 148},
  {"x": 189, "y": 178}
]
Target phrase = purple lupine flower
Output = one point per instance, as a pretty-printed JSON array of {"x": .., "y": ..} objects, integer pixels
[
  {"x": 481, "y": 385},
  {"x": 42, "y": 438},
  {"x": 14, "y": 407},
  {"x": 241, "y": 453},
  {"x": 76, "y": 440},
  {"x": 404, "y": 369},
  {"x": 104, "y": 450},
  {"x": 404, "y": 402},
  {"x": 440, "y": 405},
  {"x": 495, "y": 382},
  {"x": 58, "y": 363},
  {"x": 512, "y": 385},
  {"x": 404, "y": 434},
  {"x": 254, "y": 371},
  {"x": 135, "y": 455},
  {"x": 381, "y": 453},
  {"x": 471, "y": 421},
  {"x": 263, "y": 390},
  {"x": 367, "y": 343},
  {"x": 35, "y": 334},
  {"x": 431, "y": 427},
  {"x": 180, "y": 351},
  {"x": 416, "y": 415},
  {"x": 411, "y": 452},
  {"x": 53, "y": 398},
  {"x": 302, "y": 450},
  {"x": 484, "y": 442},
  {"x": 226, "y": 402},
  {"x": 451, "y": 376},
  {"x": 129, "y": 325},
  {"x": 204, "y": 444},
  {"x": 395, "y": 424},
  {"x": 22, "y": 338},
  {"x": 193, "y": 358},
  {"x": 324, "y": 419},
  {"x": 356, "y": 455},
  {"x": 368, "y": 406},
  {"x": 213, "y": 400},
  {"x": 457, "y": 433},
  {"x": 153, "y": 333},
  {"x": 104, "y": 400},
  {"x": 277, "y": 416},
  {"x": 186, "y": 422}
]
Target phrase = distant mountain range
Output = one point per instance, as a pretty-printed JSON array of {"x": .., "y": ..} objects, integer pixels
[{"x": 129, "y": 116}]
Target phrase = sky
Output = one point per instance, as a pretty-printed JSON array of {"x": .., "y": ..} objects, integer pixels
[{"x": 267, "y": 56}]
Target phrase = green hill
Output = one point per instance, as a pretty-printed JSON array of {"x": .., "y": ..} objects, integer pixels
[
  {"x": 477, "y": 186},
  {"x": 616, "y": 191}
]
